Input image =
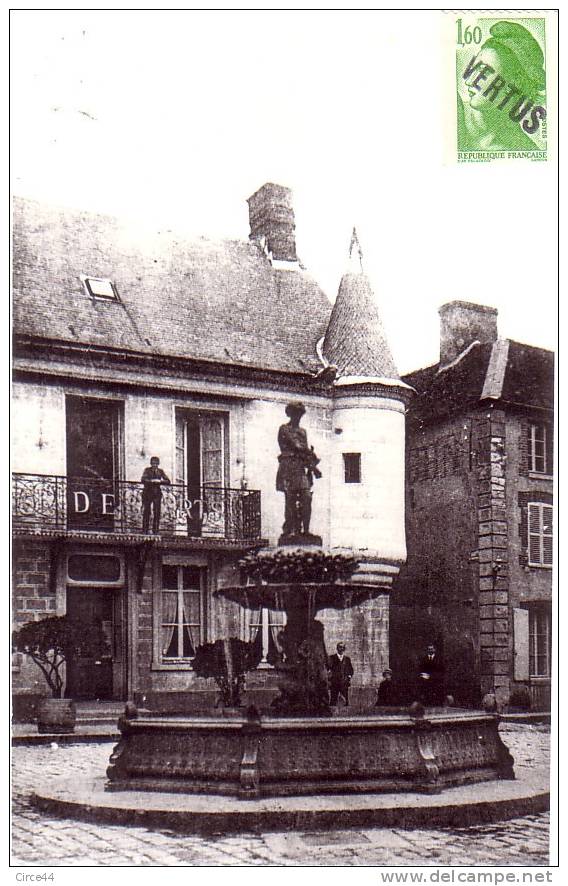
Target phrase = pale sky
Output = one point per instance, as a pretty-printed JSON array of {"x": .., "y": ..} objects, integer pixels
[{"x": 175, "y": 118}]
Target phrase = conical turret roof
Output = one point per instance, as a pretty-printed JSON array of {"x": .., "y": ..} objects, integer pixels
[{"x": 355, "y": 340}]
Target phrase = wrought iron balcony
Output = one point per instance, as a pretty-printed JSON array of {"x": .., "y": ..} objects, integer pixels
[{"x": 48, "y": 502}]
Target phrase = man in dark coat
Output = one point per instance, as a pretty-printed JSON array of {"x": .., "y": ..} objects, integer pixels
[
  {"x": 341, "y": 671},
  {"x": 388, "y": 692},
  {"x": 152, "y": 480},
  {"x": 297, "y": 466},
  {"x": 431, "y": 677}
]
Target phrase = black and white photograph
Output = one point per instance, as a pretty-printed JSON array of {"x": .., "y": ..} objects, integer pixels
[{"x": 284, "y": 316}]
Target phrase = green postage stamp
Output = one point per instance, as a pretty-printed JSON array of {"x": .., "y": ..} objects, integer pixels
[{"x": 501, "y": 83}]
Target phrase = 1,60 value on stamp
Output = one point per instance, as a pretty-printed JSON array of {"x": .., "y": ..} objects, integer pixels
[{"x": 468, "y": 34}]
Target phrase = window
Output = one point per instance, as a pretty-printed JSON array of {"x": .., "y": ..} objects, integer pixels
[
  {"x": 182, "y": 621},
  {"x": 98, "y": 569},
  {"x": 540, "y": 534},
  {"x": 94, "y": 461},
  {"x": 352, "y": 467},
  {"x": 539, "y": 456},
  {"x": 264, "y": 628},
  {"x": 539, "y": 641},
  {"x": 99, "y": 288},
  {"x": 201, "y": 468}
]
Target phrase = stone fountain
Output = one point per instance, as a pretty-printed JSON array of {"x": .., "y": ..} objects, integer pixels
[{"x": 298, "y": 745}]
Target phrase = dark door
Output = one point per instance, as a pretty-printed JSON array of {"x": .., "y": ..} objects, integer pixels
[
  {"x": 90, "y": 677},
  {"x": 92, "y": 462}
]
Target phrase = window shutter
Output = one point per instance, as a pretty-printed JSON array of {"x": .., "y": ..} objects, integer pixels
[
  {"x": 534, "y": 520},
  {"x": 534, "y": 534},
  {"x": 547, "y": 536},
  {"x": 521, "y": 643}
]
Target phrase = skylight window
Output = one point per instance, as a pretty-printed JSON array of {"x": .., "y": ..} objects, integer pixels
[{"x": 97, "y": 287}]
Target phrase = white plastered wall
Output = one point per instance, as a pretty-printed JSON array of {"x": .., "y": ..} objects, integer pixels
[
  {"x": 369, "y": 516},
  {"x": 38, "y": 429}
]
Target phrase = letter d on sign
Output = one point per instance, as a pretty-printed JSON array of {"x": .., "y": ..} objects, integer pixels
[{"x": 84, "y": 499}]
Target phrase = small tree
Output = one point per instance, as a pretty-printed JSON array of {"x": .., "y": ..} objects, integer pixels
[
  {"x": 52, "y": 641},
  {"x": 227, "y": 661}
]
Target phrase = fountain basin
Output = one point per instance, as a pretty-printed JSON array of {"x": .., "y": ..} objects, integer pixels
[{"x": 294, "y": 756}]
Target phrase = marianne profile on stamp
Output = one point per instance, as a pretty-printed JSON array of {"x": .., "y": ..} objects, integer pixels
[{"x": 502, "y": 103}]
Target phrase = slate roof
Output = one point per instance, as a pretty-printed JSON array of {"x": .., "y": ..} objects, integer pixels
[
  {"x": 355, "y": 341},
  {"x": 527, "y": 381},
  {"x": 219, "y": 301}
]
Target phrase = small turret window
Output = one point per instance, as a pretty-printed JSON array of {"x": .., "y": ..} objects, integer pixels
[{"x": 352, "y": 467}]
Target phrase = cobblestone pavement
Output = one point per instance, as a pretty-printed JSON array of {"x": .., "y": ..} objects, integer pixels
[{"x": 39, "y": 839}]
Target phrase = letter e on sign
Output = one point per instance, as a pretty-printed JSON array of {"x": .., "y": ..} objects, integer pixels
[{"x": 108, "y": 500}]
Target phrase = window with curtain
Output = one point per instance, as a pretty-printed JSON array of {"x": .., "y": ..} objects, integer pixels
[
  {"x": 264, "y": 629},
  {"x": 182, "y": 622},
  {"x": 539, "y": 641}
]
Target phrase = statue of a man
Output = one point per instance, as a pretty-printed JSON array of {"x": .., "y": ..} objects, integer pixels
[{"x": 296, "y": 470}]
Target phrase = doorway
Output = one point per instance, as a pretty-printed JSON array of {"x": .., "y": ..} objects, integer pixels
[{"x": 89, "y": 677}]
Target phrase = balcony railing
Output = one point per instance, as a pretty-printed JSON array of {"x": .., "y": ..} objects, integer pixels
[{"x": 41, "y": 501}]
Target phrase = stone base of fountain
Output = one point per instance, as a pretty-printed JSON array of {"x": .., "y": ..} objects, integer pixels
[
  {"x": 300, "y": 541},
  {"x": 264, "y": 756}
]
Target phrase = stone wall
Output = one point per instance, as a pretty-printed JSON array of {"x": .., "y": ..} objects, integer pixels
[
  {"x": 34, "y": 598},
  {"x": 490, "y": 446},
  {"x": 34, "y": 589},
  {"x": 466, "y": 568},
  {"x": 435, "y": 598},
  {"x": 365, "y": 632}
]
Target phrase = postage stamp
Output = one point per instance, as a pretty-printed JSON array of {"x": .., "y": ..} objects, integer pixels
[{"x": 501, "y": 76}]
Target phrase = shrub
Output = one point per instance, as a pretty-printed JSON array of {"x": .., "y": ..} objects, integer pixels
[
  {"x": 51, "y": 641},
  {"x": 227, "y": 661}
]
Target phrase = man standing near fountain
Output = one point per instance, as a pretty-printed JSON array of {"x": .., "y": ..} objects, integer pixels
[
  {"x": 296, "y": 469},
  {"x": 431, "y": 677},
  {"x": 341, "y": 671}
]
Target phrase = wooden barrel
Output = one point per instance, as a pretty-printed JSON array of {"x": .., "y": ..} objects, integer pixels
[{"x": 56, "y": 715}]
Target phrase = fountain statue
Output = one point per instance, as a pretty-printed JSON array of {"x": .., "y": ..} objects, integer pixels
[{"x": 297, "y": 467}]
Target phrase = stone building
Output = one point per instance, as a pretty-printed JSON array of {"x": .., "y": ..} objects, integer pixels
[
  {"x": 478, "y": 579},
  {"x": 130, "y": 343}
]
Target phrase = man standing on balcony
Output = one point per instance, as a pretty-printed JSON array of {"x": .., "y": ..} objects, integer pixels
[
  {"x": 297, "y": 466},
  {"x": 152, "y": 480}
]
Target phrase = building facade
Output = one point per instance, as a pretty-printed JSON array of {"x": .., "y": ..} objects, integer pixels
[
  {"x": 479, "y": 463},
  {"x": 130, "y": 344}
]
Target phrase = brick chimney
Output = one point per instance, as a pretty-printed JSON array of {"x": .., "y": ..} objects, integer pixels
[
  {"x": 271, "y": 216},
  {"x": 462, "y": 323}
]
